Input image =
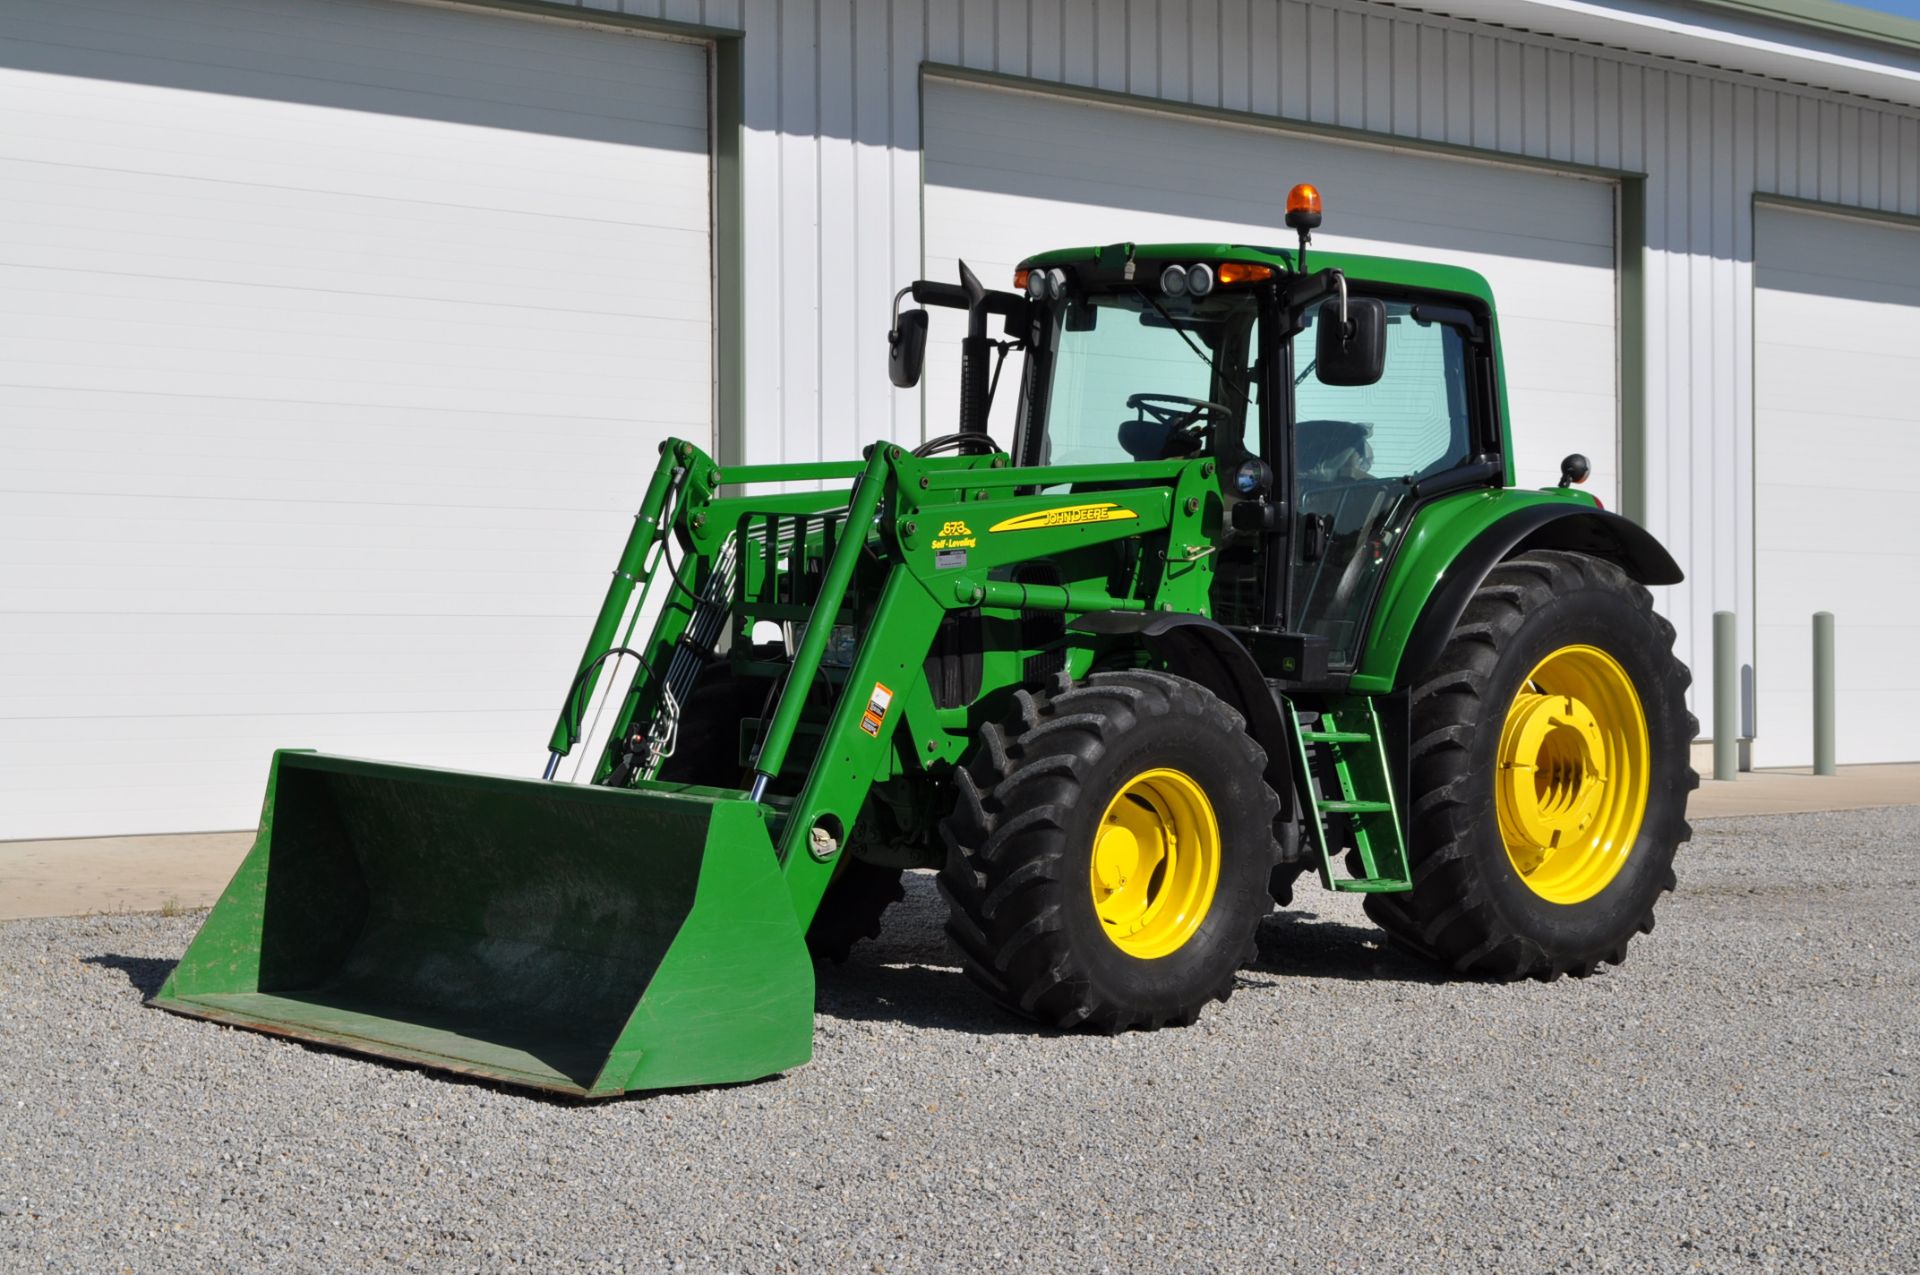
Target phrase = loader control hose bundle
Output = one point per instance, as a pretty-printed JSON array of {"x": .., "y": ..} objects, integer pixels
[
  {"x": 668, "y": 702},
  {"x": 640, "y": 754}
]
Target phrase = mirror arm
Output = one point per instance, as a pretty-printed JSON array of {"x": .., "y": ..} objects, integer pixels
[
  {"x": 1317, "y": 287},
  {"x": 951, "y": 296},
  {"x": 948, "y": 296}
]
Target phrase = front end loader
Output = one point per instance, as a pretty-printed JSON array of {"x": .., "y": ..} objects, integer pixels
[{"x": 1248, "y": 594}]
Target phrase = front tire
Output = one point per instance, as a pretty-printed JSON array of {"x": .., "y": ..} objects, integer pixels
[
  {"x": 1550, "y": 773},
  {"x": 1108, "y": 853}
]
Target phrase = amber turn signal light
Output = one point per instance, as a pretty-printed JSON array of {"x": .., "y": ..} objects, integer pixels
[{"x": 1242, "y": 272}]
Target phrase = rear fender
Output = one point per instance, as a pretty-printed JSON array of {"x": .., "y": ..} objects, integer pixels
[{"x": 1576, "y": 528}]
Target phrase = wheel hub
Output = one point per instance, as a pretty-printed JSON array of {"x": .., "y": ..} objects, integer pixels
[
  {"x": 1116, "y": 858},
  {"x": 1155, "y": 863},
  {"x": 1551, "y": 768},
  {"x": 1573, "y": 772}
]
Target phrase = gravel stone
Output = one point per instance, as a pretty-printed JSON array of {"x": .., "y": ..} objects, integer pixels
[{"x": 1743, "y": 1094}]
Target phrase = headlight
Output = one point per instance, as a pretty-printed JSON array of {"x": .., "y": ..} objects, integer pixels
[
  {"x": 1253, "y": 477},
  {"x": 1200, "y": 280},
  {"x": 1037, "y": 285},
  {"x": 1056, "y": 283},
  {"x": 1173, "y": 280}
]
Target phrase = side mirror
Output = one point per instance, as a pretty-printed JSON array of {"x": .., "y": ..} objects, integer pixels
[
  {"x": 1353, "y": 353},
  {"x": 907, "y": 348}
]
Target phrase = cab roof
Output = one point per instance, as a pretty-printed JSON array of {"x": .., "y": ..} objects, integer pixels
[{"x": 1395, "y": 271}]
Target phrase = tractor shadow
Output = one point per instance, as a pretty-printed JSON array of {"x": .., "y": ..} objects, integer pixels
[
  {"x": 1296, "y": 943},
  {"x": 908, "y": 975},
  {"x": 146, "y": 973},
  {"x": 938, "y": 997}
]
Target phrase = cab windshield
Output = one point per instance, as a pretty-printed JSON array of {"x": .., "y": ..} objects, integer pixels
[{"x": 1138, "y": 378}]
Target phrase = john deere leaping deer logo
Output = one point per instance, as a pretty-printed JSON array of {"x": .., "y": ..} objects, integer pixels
[{"x": 1065, "y": 516}]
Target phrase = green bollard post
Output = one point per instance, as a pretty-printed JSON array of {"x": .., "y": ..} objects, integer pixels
[
  {"x": 1823, "y": 692},
  {"x": 1726, "y": 698}
]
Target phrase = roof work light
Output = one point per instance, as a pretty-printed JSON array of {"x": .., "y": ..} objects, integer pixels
[
  {"x": 1303, "y": 207},
  {"x": 1303, "y": 215}
]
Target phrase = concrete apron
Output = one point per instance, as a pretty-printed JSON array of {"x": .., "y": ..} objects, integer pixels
[{"x": 187, "y": 871}]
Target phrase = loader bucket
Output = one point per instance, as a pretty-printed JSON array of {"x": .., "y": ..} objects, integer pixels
[{"x": 578, "y": 939}]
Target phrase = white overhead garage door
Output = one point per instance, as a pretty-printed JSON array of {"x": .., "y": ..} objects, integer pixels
[
  {"x": 1836, "y": 461},
  {"x": 1010, "y": 173},
  {"x": 338, "y": 336}
]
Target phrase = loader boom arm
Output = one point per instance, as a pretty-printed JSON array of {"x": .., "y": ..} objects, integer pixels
[{"x": 918, "y": 539}]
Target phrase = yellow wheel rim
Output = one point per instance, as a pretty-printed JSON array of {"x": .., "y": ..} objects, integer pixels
[
  {"x": 1572, "y": 783},
  {"x": 1156, "y": 863}
]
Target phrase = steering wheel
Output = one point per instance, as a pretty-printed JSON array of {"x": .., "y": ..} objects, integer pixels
[
  {"x": 1179, "y": 413},
  {"x": 982, "y": 444}
]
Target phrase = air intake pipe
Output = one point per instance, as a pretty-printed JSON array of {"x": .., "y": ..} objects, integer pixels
[{"x": 975, "y": 398}]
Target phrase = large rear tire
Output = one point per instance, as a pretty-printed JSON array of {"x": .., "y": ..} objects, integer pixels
[
  {"x": 1550, "y": 773},
  {"x": 1108, "y": 853}
]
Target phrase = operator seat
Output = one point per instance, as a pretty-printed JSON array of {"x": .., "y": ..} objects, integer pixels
[
  {"x": 1144, "y": 438},
  {"x": 1331, "y": 451}
]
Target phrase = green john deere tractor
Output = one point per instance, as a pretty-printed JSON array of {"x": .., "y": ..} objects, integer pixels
[{"x": 1247, "y": 594}]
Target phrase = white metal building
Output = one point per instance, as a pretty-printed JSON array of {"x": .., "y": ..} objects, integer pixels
[{"x": 337, "y": 335}]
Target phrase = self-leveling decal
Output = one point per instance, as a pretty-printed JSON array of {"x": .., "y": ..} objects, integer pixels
[{"x": 954, "y": 534}]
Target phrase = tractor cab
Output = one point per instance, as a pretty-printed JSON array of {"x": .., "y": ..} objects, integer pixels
[{"x": 1334, "y": 400}]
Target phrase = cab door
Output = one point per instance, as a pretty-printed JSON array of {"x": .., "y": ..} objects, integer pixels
[{"x": 1364, "y": 455}]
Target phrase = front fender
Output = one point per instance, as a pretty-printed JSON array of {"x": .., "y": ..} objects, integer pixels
[
  {"x": 1204, "y": 651},
  {"x": 1456, "y": 541}
]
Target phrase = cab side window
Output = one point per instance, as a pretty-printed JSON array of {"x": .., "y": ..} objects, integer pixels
[
  {"x": 1411, "y": 423},
  {"x": 1358, "y": 450}
]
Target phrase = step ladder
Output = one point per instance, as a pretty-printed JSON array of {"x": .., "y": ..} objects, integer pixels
[{"x": 1347, "y": 735}]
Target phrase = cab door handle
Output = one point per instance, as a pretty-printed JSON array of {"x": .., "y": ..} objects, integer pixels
[{"x": 1315, "y": 531}]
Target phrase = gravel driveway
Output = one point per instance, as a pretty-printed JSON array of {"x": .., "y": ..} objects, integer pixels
[{"x": 1743, "y": 1094}]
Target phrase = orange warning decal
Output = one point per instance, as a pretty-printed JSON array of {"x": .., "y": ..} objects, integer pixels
[{"x": 877, "y": 705}]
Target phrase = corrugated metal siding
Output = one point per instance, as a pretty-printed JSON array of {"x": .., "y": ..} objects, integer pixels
[{"x": 833, "y": 218}]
